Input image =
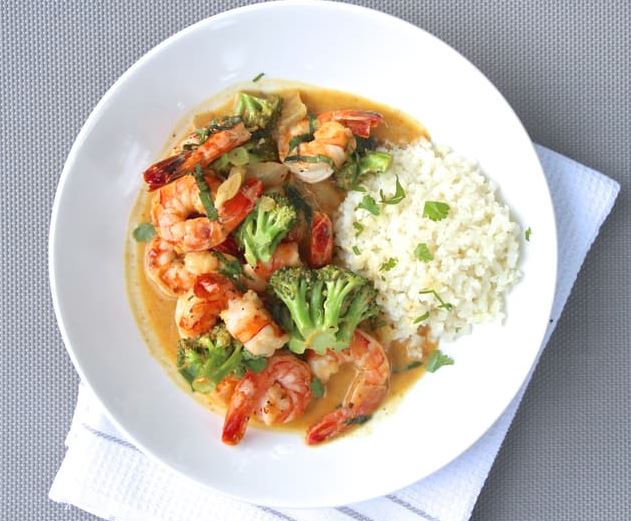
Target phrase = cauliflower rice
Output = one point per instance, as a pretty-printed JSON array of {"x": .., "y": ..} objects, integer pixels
[{"x": 475, "y": 247}]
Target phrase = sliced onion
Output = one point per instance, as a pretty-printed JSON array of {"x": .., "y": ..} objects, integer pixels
[{"x": 270, "y": 173}]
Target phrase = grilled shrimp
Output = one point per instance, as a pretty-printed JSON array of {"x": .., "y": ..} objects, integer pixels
[
  {"x": 176, "y": 210},
  {"x": 197, "y": 310},
  {"x": 171, "y": 168},
  {"x": 313, "y": 148},
  {"x": 278, "y": 394},
  {"x": 175, "y": 273},
  {"x": 285, "y": 255},
  {"x": 366, "y": 393},
  {"x": 248, "y": 321}
]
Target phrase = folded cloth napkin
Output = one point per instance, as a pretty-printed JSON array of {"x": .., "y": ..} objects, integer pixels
[{"x": 106, "y": 475}]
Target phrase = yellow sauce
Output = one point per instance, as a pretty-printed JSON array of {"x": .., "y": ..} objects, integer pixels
[{"x": 154, "y": 311}]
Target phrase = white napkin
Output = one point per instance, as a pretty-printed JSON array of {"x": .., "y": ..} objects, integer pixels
[{"x": 106, "y": 475}]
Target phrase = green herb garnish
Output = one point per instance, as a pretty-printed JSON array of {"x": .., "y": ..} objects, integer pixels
[
  {"x": 422, "y": 253},
  {"x": 317, "y": 388},
  {"x": 144, "y": 232},
  {"x": 231, "y": 269},
  {"x": 356, "y": 250},
  {"x": 413, "y": 365},
  {"x": 369, "y": 204},
  {"x": 359, "y": 227},
  {"x": 258, "y": 76},
  {"x": 422, "y": 318},
  {"x": 204, "y": 194},
  {"x": 318, "y": 158},
  {"x": 296, "y": 140},
  {"x": 528, "y": 233},
  {"x": 438, "y": 359},
  {"x": 358, "y": 420},
  {"x": 299, "y": 203},
  {"x": 399, "y": 195},
  {"x": 435, "y": 210},
  {"x": 443, "y": 304},
  {"x": 388, "y": 265}
]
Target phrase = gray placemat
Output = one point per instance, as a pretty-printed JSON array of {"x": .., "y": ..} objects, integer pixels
[{"x": 565, "y": 68}]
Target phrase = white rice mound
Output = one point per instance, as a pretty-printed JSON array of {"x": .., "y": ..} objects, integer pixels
[{"x": 475, "y": 248}]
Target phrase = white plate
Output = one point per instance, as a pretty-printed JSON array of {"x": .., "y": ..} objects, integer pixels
[{"x": 332, "y": 45}]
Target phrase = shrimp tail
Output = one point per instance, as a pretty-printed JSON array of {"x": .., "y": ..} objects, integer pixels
[
  {"x": 330, "y": 426},
  {"x": 239, "y": 411},
  {"x": 165, "y": 171}
]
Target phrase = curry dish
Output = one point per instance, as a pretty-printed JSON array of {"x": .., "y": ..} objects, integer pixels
[{"x": 234, "y": 273}]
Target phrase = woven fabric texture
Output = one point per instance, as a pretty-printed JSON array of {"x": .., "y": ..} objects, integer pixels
[{"x": 564, "y": 67}]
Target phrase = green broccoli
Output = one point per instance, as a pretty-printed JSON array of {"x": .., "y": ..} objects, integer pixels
[
  {"x": 325, "y": 305},
  {"x": 360, "y": 164},
  {"x": 265, "y": 227},
  {"x": 206, "y": 360},
  {"x": 257, "y": 113}
]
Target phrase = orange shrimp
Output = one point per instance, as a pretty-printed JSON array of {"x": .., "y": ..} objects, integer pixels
[
  {"x": 248, "y": 321},
  {"x": 313, "y": 160},
  {"x": 321, "y": 242},
  {"x": 163, "y": 172},
  {"x": 366, "y": 393},
  {"x": 278, "y": 394},
  {"x": 178, "y": 214},
  {"x": 286, "y": 254},
  {"x": 197, "y": 311}
]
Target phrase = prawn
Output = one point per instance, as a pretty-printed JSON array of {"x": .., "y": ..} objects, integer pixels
[
  {"x": 286, "y": 254},
  {"x": 313, "y": 147},
  {"x": 278, "y": 394},
  {"x": 197, "y": 310},
  {"x": 178, "y": 214},
  {"x": 321, "y": 241},
  {"x": 248, "y": 321},
  {"x": 172, "y": 272},
  {"x": 163, "y": 172},
  {"x": 366, "y": 393}
]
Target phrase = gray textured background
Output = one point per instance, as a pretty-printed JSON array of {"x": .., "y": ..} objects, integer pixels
[{"x": 564, "y": 66}]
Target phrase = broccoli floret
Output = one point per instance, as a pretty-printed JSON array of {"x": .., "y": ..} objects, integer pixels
[
  {"x": 265, "y": 227},
  {"x": 360, "y": 164},
  {"x": 257, "y": 113},
  {"x": 325, "y": 305},
  {"x": 206, "y": 360}
]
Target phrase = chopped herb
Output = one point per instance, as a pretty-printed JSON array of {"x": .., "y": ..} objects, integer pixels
[
  {"x": 443, "y": 304},
  {"x": 312, "y": 123},
  {"x": 438, "y": 359},
  {"x": 356, "y": 250},
  {"x": 230, "y": 268},
  {"x": 296, "y": 140},
  {"x": 388, "y": 265},
  {"x": 204, "y": 194},
  {"x": 399, "y": 195},
  {"x": 422, "y": 318},
  {"x": 422, "y": 253},
  {"x": 318, "y": 158},
  {"x": 413, "y": 365},
  {"x": 298, "y": 201},
  {"x": 317, "y": 388},
  {"x": 144, "y": 232},
  {"x": 359, "y": 227},
  {"x": 358, "y": 420},
  {"x": 258, "y": 76},
  {"x": 435, "y": 210},
  {"x": 528, "y": 233},
  {"x": 255, "y": 364},
  {"x": 369, "y": 204}
]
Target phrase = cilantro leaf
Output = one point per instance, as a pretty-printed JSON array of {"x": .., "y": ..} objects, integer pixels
[
  {"x": 422, "y": 253},
  {"x": 435, "y": 210},
  {"x": 317, "y": 388},
  {"x": 356, "y": 250},
  {"x": 399, "y": 195},
  {"x": 438, "y": 359},
  {"x": 369, "y": 204},
  {"x": 423, "y": 317},
  {"x": 359, "y": 227},
  {"x": 528, "y": 233},
  {"x": 144, "y": 232},
  {"x": 388, "y": 265},
  {"x": 443, "y": 304}
]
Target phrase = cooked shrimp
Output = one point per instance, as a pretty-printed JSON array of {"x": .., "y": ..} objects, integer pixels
[
  {"x": 285, "y": 255},
  {"x": 176, "y": 210},
  {"x": 313, "y": 160},
  {"x": 321, "y": 241},
  {"x": 248, "y": 321},
  {"x": 166, "y": 268},
  {"x": 278, "y": 394},
  {"x": 197, "y": 311},
  {"x": 366, "y": 393},
  {"x": 171, "y": 168}
]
